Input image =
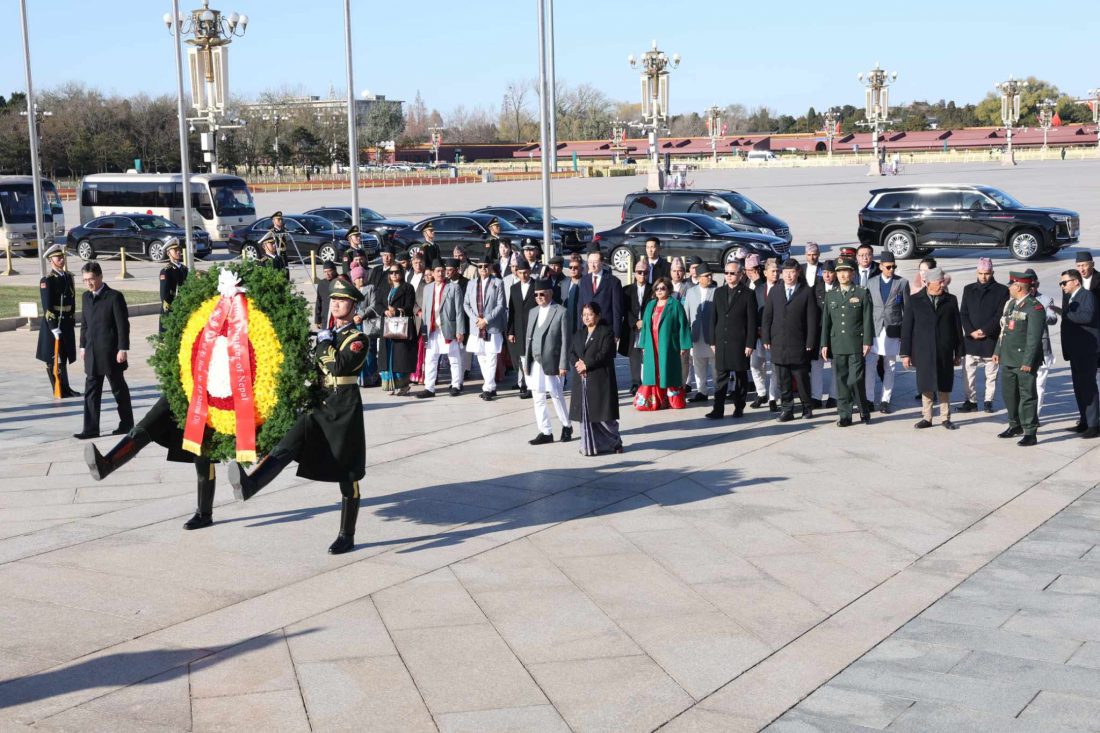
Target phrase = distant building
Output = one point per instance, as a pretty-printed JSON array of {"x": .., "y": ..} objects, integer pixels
[{"x": 321, "y": 106}]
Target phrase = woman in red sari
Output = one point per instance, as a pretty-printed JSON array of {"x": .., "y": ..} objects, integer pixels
[{"x": 665, "y": 335}]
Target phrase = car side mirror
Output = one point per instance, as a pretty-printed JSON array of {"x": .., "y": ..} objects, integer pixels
[
  {"x": 986, "y": 206},
  {"x": 698, "y": 234}
]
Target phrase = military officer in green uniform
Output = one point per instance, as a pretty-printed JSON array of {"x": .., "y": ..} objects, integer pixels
[
  {"x": 172, "y": 276},
  {"x": 1019, "y": 352},
  {"x": 847, "y": 330},
  {"x": 493, "y": 242},
  {"x": 428, "y": 247},
  {"x": 57, "y": 291},
  {"x": 328, "y": 442}
]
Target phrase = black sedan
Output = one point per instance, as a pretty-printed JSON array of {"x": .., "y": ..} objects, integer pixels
[
  {"x": 369, "y": 220},
  {"x": 307, "y": 234},
  {"x": 470, "y": 230},
  {"x": 142, "y": 235},
  {"x": 575, "y": 235},
  {"x": 687, "y": 235}
]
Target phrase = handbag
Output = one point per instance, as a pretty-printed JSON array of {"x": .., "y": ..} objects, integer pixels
[{"x": 396, "y": 328}]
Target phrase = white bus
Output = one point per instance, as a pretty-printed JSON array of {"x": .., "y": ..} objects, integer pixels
[
  {"x": 220, "y": 203},
  {"x": 17, "y": 213}
]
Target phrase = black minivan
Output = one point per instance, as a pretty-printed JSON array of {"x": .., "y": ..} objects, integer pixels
[{"x": 735, "y": 209}]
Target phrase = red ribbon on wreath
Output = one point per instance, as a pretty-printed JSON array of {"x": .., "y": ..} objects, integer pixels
[{"x": 230, "y": 315}]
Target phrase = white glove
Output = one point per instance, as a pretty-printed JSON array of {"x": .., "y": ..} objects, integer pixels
[
  {"x": 56, "y": 333},
  {"x": 325, "y": 335}
]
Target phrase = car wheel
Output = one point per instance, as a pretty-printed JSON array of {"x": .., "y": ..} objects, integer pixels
[
  {"x": 156, "y": 250},
  {"x": 620, "y": 259},
  {"x": 326, "y": 253},
  {"x": 85, "y": 250},
  {"x": 1024, "y": 244},
  {"x": 249, "y": 252},
  {"x": 901, "y": 243}
]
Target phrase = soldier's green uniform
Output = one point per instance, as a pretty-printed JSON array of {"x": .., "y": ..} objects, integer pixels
[
  {"x": 1020, "y": 345},
  {"x": 847, "y": 325}
]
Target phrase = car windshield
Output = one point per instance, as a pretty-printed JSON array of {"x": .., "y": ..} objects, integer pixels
[
  {"x": 17, "y": 204},
  {"x": 1002, "y": 198},
  {"x": 232, "y": 198},
  {"x": 742, "y": 205},
  {"x": 369, "y": 215},
  {"x": 152, "y": 223},
  {"x": 314, "y": 224},
  {"x": 713, "y": 226},
  {"x": 506, "y": 226}
]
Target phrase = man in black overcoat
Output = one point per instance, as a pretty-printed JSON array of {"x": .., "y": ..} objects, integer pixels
[
  {"x": 57, "y": 292},
  {"x": 790, "y": 330},
  {"x": 1080, "y": 346},
  {"x": 521, "y": 302},
  {"x": 932, "y": 341},
  {"x": 635, "y": 297},
  {"x": 734, "y": 319},
  {"x": 104, "y": 341}
]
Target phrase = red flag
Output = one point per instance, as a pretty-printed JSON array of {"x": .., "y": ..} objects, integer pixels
[{"x": 1055, "y": 121}]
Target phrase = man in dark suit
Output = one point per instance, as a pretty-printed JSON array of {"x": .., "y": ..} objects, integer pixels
[
  {"x": 570, "y": 292},
  {"x": 866, "y": 267},
  {"x": 982, "y": 304},
  {"x": 1080, "y": 346},
  {"x": 766, "y": 389},
  {"x": 320, "y": 306},
  {"x": 635, "y": 296},
  {"x": 104, "y": 341},
  {"x": 734, "y": 329},
  {"x": 656, "y": 265},
  {"x": 521, "y": 302},
  {"x": 600, "y": 285},
  {"x": 789, "y": 329}
]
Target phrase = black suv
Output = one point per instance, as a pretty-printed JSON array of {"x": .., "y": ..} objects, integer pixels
[
  {"x": 912, "y": 220},
  {"x": 731, "y": 207}
]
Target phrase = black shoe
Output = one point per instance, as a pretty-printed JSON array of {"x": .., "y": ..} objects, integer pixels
[
  {"x": 698, "y": 397},
  {"x": 349, "y": 513},
  {"x": 70, "y": 393},
  {"x": 525, "y": 394},
  {"x": 831, "y": 402},
  {"x": 923, "y": 424},
  {"x": 968, "y": 406},
  {"x": 1093, "y": 432},
  {"x": 541, "y": 439},
  {"x": 633, "y": 390},
  {"x": 455, "y": 392},
  {"x": 122, "y": 430},
  {"x": 487, "y": 396},
  {"x": 1078, "y": 428},
  {"x": 199, "y": 521},
  {"x": 715, "y": 414},
  {"x": 988, "y": 406},
  {"x": 773, "y": 406},
  {"x": 102, "y": 466},
  {"x": 785, "y": 416},
  {"x": 566, "y": 434},
  {"x": 818, "y": 404},
  {"x": 425, "y": 394},
  {"x": 807, "y": 413},
  {"x": 950, "y": 425},
  {"x": 85, "y": 435},
  {"x": 884, "y": 408},
  {"x": 738, "y": 410},
  {"x": 1027, "y": 440},
  {"x": 246, "y": 485},
  {"x": 844, "y": 422},
  {"x": 1011, "y": 432},
  {"x": 757, "y": 403},
  {"x": 865, "y": 417},
  {"x": 493, "y": 393}
]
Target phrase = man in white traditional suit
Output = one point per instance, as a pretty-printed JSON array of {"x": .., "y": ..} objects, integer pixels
[
  {"x": 444, "y": 328},
  {"x": 487, "y": 317},
  {"x": 546, "y": 349}
]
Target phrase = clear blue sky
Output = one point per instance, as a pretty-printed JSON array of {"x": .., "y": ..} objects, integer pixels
[{"x": 787, "y": 55}]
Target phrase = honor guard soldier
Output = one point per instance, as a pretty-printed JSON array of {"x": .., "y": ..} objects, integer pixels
[
  {"x": 428, "y": 247},
  {"x": 847, "y": 330},
  {"x": 271, "y": 256},
  {"x": 1019, "y": 353},
  {"x": 57, "y": 333},
  {"x": 328, "y": 442},
  {"x": 171, "y": 277},
  {"x": 493, "y": 242}
]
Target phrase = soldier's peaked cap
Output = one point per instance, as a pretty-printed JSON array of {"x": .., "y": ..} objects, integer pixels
[{"x": 341, "y": 289}]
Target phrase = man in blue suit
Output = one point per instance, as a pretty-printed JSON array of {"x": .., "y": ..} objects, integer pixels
[{"x": 599, "y": 284}]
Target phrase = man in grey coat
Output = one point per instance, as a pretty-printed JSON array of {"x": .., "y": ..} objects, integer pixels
[
  {"x": 444, "y": 329},
  {"x": 889, "y": 298},
  {"x": 486, "y": 315},
  {"x": 699, "y": 306},
  {"x": 545, "y": 357}
]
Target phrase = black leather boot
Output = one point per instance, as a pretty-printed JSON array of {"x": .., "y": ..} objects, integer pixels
[
  {"x": 349, "y": 513},
  {"x": 246, "y": 485},
  {"x": 102, "y": 466},
  {"x": 204, "y": 513}
]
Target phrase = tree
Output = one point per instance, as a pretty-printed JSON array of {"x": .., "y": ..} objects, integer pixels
[
  {"x": 988, "y": 111},
  {"x": 515, "y": 117},
  {"x": 383, "y": 121}
]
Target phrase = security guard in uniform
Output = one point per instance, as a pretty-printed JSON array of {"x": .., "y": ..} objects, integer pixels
[
  {"x": 328, "y": 442},
  {"x": 847, "y": 330},
  {"x": 271, "y": 256},
  {"x": 1019, "y": 352},
  {"x": 493, "y": 242},
  {"x": 428, "y": 247},
  {"x": 171, "y": 277},
  {"x": 57, "y": 292}
]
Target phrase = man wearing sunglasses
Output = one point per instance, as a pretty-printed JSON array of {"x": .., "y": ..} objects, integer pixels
[
  {"x": 635, "y": 296},
  {"x": 546, "y": 362},
  {"x": 1080, "y": 346},
  {"x": 889, "y": 299}
]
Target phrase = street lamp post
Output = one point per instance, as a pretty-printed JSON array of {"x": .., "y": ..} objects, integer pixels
[
  {"x": 174, "y": 21},
  {"x": 831, "y": 118},
  {"x": 552, "y": 87},
  {"x": 544, "y": 134},
  {"x": 1046, "y": 119},
  {"x": 274, "y": 117},
  {"x": 1010, "y": 113},
  {"x": 437, "y": 140},
  {"x": 714, "y": 129},
  {"x": 877, "y": 108},
  {"x": 32, "y": 130},
  {"x": 655, "y": 65},
  {"x": 1094, "y": 105}
]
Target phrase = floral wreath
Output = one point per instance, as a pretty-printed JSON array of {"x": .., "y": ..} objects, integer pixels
[{"x": 249, "y": 328}]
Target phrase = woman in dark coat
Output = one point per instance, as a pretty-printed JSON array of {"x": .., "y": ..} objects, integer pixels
[
  {"x": 397, "y": 359},
  {"x": 594, "y": 401},
  {"x": 932, "y": 341}
]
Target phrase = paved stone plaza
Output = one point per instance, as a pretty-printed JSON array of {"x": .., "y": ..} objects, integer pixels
[{"x": 712, "y": 578}]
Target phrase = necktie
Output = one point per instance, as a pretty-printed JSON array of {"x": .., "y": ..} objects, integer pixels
[
  {"x": 595, "y": 283},
  {"x": 789, "y": 291}
]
